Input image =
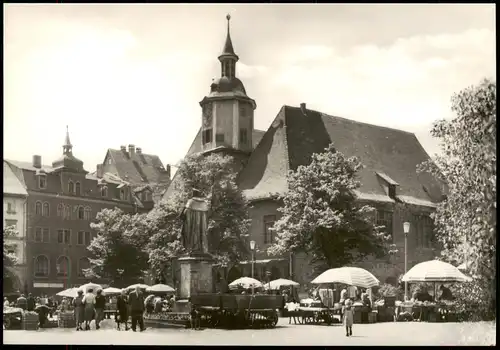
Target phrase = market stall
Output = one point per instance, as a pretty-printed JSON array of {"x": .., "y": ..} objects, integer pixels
[{"x": 434, "y": 272}]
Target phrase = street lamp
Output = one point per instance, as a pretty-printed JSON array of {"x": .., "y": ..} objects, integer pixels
[
  {"x": 252, "y": 248},
  {"x": 406, "y": 229}
]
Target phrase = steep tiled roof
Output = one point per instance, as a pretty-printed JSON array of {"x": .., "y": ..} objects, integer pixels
[
  {"x": 11, "y": 183},
  {"x": 294, "y": 137},
  {"x": 139, "y": 169}
]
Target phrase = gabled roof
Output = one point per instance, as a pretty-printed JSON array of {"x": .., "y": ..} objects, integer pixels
[
  {"x": 196, "y": 147},
  {"x": 139, "y": 169},
  {"x": 294, "y": 137},
  {"x": 11, "y": 183}
]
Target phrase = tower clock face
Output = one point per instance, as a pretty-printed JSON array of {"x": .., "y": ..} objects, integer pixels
[{"x": 207, "y": 115}]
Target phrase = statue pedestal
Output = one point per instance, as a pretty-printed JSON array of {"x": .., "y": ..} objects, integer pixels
[{"x": 196, "y": 275}]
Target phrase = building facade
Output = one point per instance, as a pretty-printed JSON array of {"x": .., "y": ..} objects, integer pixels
[
  {"x": 14, "y": 213},
  {"x": 390, "y": 181},
  {"x": 62, "y": 201}
]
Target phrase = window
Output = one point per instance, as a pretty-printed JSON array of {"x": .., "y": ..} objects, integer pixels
[
  {"x": 243, "y": 136},
  {"x": 46, "y": 209},
  {"x": 122, "y": 194},
  {"x": 41, "y": 266},
  {"x": 62, "y": 266},
  {"x": 11, "y": 223},
  {"x": 64, "y": 236},
  {"x": 88, "y": 213},
  {"x": 78, "y": 189},
  {"x": 46, "y": 235},
  {"x": 219, "y": 137},
  {"x": 67, "y": 212},
  {"x": 207, "y": 136},
  {"x": 83, "y": 264},
  {"x": 42, "y": 182},
  {"x": 60, "y": 210},
  {"x": 87, "y": 238},
  {"x": 110, "y": 161},
  {"x": 11, "y": 209},
  {"x": 423, "y": 230},
  {"x": 80, "y": 239},
  {"x": 104, "y": 191},
  {"x": 38, "y": 234},
  {"x": 384, "y": 218},
  {"x": 71, "y": 187},
  {"x": 268, "y": 224},
  {"x": 81, "y": 213},
  {"x": 243, "y": 110},
  {"x": 38, "y": 208}
]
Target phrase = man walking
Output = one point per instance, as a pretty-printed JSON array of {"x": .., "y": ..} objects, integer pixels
[
  {"x": 100, "y": 302},
  {"x": 122, "y": 310},
  {"x": 136, "y": 300},
  {"x": 30, "y": 302}
]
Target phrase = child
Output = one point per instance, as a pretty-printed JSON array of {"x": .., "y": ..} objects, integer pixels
[
  {"x": 195, "y": 318},
  {"x": 348, "y": 317}
]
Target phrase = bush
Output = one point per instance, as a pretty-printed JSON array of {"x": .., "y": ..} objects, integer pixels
[
  {"x": 473, "y": 302},
  {"x": 388, "y": 290}
]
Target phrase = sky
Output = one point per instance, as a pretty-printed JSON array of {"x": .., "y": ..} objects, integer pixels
[{"x": 135, "y": 73}]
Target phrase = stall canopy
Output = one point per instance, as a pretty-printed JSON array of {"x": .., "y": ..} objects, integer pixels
[
  {"x": 111, "y": 291},
  {"x": 246, "y": 283},
  {"x": 435, "y": 271},
  {"x": 281, "y": 282},
  {"x": 69, "y": 293},
  {"x": 133, "y": 286},
  {"x": 93, "y": 286},
  {"x": 354, "y": 276},
  {"x": 160, "y": 288}
]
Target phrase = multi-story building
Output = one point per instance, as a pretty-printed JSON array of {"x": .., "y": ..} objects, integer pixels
[
  {"x": 144, "y": 172},
  {"x": 14, "y": 213},
  {"x": 62, "y": 200},
  {"x": 390, "y": 181}
]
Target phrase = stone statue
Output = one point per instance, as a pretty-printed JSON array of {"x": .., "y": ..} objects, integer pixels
[{"x": 195, "y": 224}]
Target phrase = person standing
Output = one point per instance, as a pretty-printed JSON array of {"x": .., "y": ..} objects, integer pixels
[
  {"x": 122, "y": 310},
  {"x": 136, "y": 300},
  {"x": 100, "y": 303},
  {"x": 89, "y": 302},
  {"x": 6, "y": 302},
  {"x": 79, "y": 310},
  {"x": 348, "y": 317},
  {"x": 30, "y": 303},
  {"x": 22, "y": 302}
]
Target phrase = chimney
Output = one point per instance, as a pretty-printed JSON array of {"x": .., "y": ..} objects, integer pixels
[
  {"x": 138, "y": 150},
  {"x": 123, "y": 149},
  {"x": 303, "y": 108},
  {"x": 99, "y": 171},
  {"x": 168, "y": 170},
  {"x": 131, "y": 151},
  {"x": 37, "y": 161}
]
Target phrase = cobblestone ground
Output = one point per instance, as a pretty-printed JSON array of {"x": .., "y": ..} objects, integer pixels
[{"x": 410, "y": 333}]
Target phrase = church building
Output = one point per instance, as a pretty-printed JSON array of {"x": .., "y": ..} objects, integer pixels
[{"x": 390, "y": 181}]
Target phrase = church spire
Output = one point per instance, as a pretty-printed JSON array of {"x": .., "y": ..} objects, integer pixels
[
  {"x": 228, "y": 58},
  {"x": 67, "y": 147}
]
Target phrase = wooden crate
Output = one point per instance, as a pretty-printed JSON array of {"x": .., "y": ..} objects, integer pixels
[
  {"x": 30, "y": 322},
  {"x": 66, "y": 320},
  {"x": 372, "y": 317}
]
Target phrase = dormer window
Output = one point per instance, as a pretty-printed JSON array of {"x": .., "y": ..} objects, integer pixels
[
  {"x": 42, "y": 181},
  {"x": 122, "y": 194},
  {"x": 104, "y": 191},
  {"x": 71, "y": 187}
]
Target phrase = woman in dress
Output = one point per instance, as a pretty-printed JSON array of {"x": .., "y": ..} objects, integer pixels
[
  {"x": 348, "y": 317},
  {"x": 89, "y": 301},
  {"x": 78, "y": 310}
]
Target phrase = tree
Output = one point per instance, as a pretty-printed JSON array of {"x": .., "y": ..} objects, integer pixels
[
  {"x": 9, "y": 258},
  {"x": 117, "y": 252},
  {"x": 466, "y": 221},
  {"x": 322, "y": 217},
  {"x": 214, "y": 175}
]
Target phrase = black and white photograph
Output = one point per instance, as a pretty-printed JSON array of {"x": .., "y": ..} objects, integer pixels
[{"x": 249, "y": 174}]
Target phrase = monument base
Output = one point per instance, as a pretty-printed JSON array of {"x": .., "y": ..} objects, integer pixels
[{"x": 196, "y": 275}]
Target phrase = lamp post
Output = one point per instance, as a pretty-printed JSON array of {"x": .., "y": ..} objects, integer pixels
[
  {"x": 252, "y": 248},
  {"x": 406, "y": 229}
]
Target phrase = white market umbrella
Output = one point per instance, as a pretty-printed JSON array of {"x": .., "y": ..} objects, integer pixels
[
  {"x": 354, "y": 276},
  {"x": 160, "y": 288},
  {"x": 111, "y": 291},
  {"x": 69, "y": 293},
  {"x": 246, "y": 283},
  {"x": 134, "y": 286},
  {"x": 281, "y": 282},
  {"x": 435, "y": 271},
  {"x": 463, "y": 267},
  {"x": 92, "y": 286}
]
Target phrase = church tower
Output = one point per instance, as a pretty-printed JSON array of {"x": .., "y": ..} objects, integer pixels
[{"x": 227, "y": 112}]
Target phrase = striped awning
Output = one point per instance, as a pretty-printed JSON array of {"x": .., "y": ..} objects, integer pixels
[{"x": 435, "y": 271}]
